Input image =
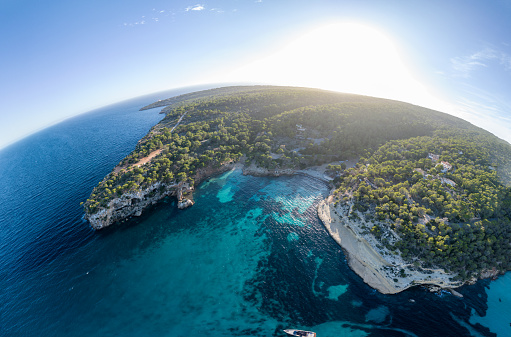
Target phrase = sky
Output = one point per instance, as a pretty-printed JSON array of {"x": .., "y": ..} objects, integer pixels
[{"x": 62, "y": 58}]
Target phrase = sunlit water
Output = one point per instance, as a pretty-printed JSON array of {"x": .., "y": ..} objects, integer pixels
[{"x": 249, "y": 259}]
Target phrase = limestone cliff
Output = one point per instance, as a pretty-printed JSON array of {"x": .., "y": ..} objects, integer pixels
[
  {"x": 133, "y": 203},
  {"x": 379, "y": 268},
  {"x": 130, "y": 204}
]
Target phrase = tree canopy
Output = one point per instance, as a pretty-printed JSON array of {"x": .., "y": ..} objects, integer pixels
[{"x": 455, "y": 217}]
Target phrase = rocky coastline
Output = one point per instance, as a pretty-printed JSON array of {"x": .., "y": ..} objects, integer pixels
[
  {"x": 133, "y": 203},
  {"x": 387, "y": 273},
  {"x": 378, "y": 268},
  {"x": 263, "y": 172},
  {"x": 383, "y": 271}
]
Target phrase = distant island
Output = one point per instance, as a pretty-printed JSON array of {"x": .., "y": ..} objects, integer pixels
[{"x": 418, "y": 197}]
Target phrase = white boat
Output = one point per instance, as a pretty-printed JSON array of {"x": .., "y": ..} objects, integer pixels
[{"x": 301, "y": 333}]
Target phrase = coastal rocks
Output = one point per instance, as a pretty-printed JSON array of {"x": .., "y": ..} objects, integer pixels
[
  {"x": 455, "y": 293},
  {"x": 185, "y": 203},
  {"x": 182, "y": 189},
  {"x": 383, "y": 271},
  {"x": 130, "y": 204},
  {"x": 263, "y": 172},
  {"x": 209, "y": 171},
  {"x": 434, "y": 289},
  {"x": 486, "y": 273},
  {"x": 490, "y": 273},
  {"x": 361, "y": 258},
  {"x": 315, "y": 172},
  {"x": 387, "y": 273},
  {"x": 133, "y": 203}
]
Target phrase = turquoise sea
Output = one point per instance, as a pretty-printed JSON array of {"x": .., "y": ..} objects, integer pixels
[{"x": 250, "y": 258}]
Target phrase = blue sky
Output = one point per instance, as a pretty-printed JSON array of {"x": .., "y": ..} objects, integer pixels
[{"x": 60, "y": 58}]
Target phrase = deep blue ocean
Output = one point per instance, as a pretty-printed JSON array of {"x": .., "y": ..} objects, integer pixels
[{"x": 250, "y": 258}]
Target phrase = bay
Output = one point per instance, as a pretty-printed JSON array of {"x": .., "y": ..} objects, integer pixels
[{"x": 249, "y": 259}]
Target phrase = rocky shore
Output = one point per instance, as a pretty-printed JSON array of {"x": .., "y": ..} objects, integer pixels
[
  {"x": 131, "y": 204},
  {"x": 256, "y": 171},
  {"x": 316, "y": 172},
  {"x": 379, "y": 268},
  {"x": 135, "y": 202}
]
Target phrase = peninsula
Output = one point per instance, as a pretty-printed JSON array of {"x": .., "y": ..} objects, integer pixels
[{"x": 427, "y": 200}]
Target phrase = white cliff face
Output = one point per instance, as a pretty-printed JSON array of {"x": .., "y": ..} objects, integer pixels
[{"x": 133, "y": 203}]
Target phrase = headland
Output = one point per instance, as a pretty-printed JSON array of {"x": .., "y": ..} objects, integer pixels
[{"x": 425, "y": 203}]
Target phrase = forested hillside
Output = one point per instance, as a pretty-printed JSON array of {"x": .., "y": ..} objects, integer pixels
[
  {"x": 441, "y": 196},
  {"x": 457, "y": 219}
]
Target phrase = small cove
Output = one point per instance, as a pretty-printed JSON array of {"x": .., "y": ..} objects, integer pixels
[{"x": 249, "y": 259}]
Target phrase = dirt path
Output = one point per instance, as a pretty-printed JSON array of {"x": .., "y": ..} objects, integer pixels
[
  {"x": 151, "y": 155},
  {"x": 179, "y": 121},
  {"x": 141, "y": 161}
]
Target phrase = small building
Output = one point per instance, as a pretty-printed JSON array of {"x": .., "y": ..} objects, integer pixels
[
  {"x": 446, "y": 166},
  {"x": 433, "y": 157},
  {"x": 447, "y": 181}
]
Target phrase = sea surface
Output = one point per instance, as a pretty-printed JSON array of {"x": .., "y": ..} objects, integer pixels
[{"x": 250, "y": 258}]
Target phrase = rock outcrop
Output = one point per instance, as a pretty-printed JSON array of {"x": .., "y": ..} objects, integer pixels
[
  {"x": 130, "y": 204},
  {"x": 135, "y": 202},
  {"x": 256, "y": 171},
  {"x": 184, "y": 203},
  {"x": 383, "y": 271}
]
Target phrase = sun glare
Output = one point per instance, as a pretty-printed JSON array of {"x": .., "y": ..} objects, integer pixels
[{"x": 346, "y": 57}]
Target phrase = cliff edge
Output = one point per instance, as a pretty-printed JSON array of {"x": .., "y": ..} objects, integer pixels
[{"x": 379, "y": 268}]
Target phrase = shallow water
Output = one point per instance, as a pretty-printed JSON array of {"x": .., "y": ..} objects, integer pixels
[{"x": 249, "y": 259}]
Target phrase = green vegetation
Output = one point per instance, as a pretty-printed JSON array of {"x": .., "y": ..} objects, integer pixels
[{"x": 458, "y": 219}]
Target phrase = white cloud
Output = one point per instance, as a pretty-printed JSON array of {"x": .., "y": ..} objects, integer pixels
[
  {"x": 154, "y": 17},
  {"x": 484, "y": 109},
  {"x": 142, "y": 22},
  {"x": 197, "y": 7},
  {"x": 464, "y": 65}
]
